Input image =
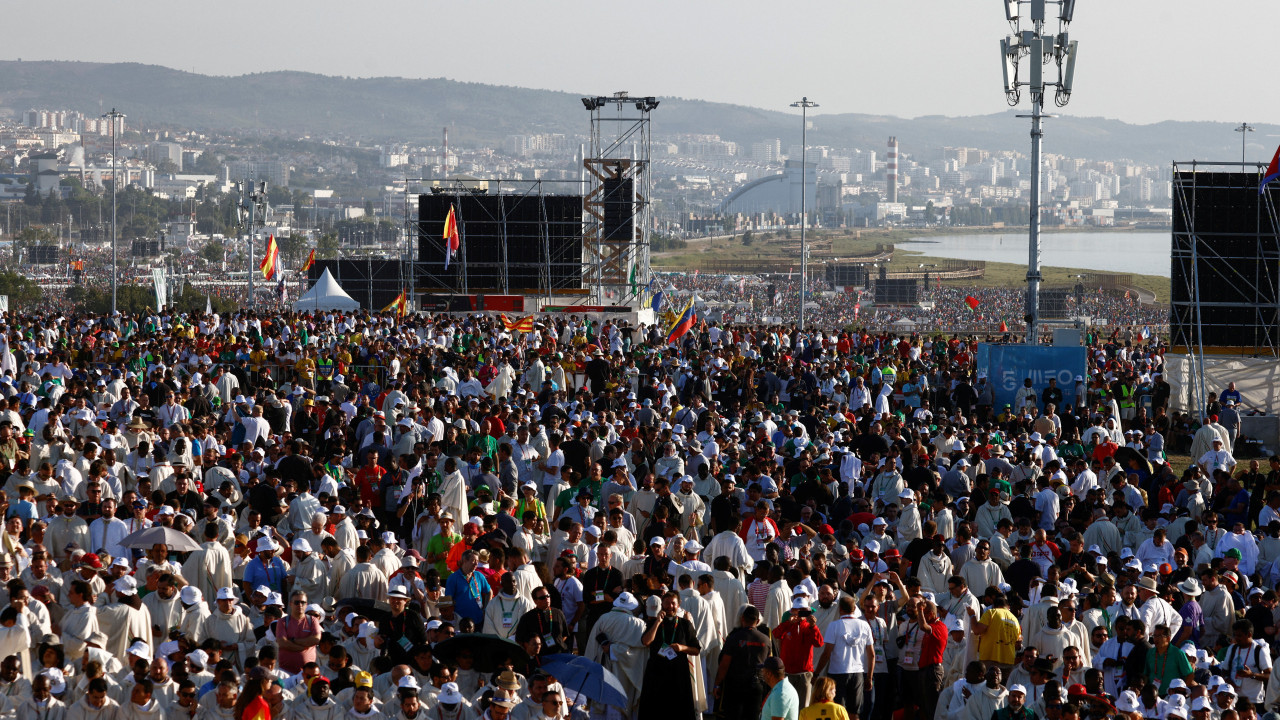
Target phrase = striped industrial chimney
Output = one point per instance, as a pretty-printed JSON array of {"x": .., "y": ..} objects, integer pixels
[{"x": 891, "y": 173}]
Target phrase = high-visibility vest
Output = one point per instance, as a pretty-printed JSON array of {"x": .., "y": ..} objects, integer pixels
[{"x": 1126, "y": 396}]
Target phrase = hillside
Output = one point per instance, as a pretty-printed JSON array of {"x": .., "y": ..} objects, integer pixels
[{"x": 406, "y": 110}]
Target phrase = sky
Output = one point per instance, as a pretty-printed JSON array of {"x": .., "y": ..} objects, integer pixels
[{"x": 1141, "y": 61}]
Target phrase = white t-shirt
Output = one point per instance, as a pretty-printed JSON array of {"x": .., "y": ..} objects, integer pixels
[
  {"x": 555, "y": 461},
  {"x": 849, "y": 637}
]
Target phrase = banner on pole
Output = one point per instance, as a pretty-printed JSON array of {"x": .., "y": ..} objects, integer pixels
[{"x": 162, "y": 290}]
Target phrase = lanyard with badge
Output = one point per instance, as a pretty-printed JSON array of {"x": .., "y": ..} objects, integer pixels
[
  {"x": 666, "y": 650},
  {"x": 507, "y": 621}
]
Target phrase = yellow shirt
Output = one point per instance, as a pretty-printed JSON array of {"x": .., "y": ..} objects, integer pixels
[
  {"x": 999, "y": 643},
  {"x": 306, "y": 367},
  {"x": 824, "y": 711}
]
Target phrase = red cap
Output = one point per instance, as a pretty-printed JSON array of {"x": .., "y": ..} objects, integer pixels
[
  {"x": 1077, "y": 689},
  {"x": 470, "y": 528},
  {"x": 892, "y": 553},
  {"x": 1166, "y": 569},
  {"x": 856, "y": 554},
  {"x": 92, "y": 560}
]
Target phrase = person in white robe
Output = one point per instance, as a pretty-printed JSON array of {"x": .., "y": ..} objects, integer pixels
[
  {"x": 935, "y": 569},
  {"x": 124, "y": 619},
  {"x": 729, "y": 545},
  {"x": 623, "y": 652},
  {"x": 229, "y": 625},
  {"x": 309, "y": 572},
  {"x": 209, "y": 568},
  {"x": 779, "y": 599},
  {"x": 78, "y": 622},
  {"x": 364, "y": 580},
  {"x": 453, "y": 491}
]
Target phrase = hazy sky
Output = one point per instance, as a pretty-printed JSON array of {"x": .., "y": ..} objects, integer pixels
[{"x": 1140, "y": 60}]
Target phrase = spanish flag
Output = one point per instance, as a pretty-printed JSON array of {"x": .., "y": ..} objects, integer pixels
[
  {"x": 523, "y": 325},
  {"x": 311, "y": 260},
  {"x": 452, "y": 241},
  {"x": 683, "y": 323},
  {"x": 270, "y": 261},
  {"x": 400, "y": 305}
]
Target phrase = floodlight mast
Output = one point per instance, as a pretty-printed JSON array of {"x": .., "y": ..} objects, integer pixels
[{"x": 1027, "y": 20}]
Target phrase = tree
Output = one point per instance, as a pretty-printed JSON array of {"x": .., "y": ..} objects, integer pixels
[
  {"x": 747, "y": 239},
  {"x": 293, "y": 247},
  {"x": 24, "y": 293},
  {"x": 213, "y": 251},
  {"x": 327, "y": 247}
]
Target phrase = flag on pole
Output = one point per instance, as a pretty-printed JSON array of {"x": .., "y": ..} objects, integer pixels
[
  {"x": 683, "y": 323},
  {"x": 311, "y": 260},
  {"x": 971, "y": 301},
  {"x": 208, "y": 305},
  {"x": 452, "y": 241},
  {"x": 281, "y": 291},
  {"x": 400, "y": 305},
  {"x": 857, "y": 308},
  {"x": 1273, "y": 171},
  {"x": 632, "y": 279},
  {"x": 271, "y": 259}
]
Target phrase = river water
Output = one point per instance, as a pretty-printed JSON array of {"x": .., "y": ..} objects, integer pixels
[{"x": 1141, "y": 253}]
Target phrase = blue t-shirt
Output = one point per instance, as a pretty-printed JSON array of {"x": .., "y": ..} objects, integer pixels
[
  {"x": 469, "y": 596},
  {"x": 782, "y": 702},
  {"x": 272, "y": 576}
]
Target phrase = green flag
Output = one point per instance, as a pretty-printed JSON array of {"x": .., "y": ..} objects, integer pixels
[{"x": 633, "y": 277}]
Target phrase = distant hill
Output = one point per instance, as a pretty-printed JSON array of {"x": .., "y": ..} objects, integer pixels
[{"x": 404, "y": 110}]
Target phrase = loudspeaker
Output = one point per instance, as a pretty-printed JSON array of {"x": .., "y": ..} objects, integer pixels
[
  {"x": 619, "y": 201},
  {"x": 897, "y": 291},
  {"x": 1226, "y": 251}
]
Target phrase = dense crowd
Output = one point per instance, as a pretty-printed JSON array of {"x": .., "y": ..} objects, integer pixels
[
  {"x": 940, "y": 307},
  {"x": 254, "y": 516}
]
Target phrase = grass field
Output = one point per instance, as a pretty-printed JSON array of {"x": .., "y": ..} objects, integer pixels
[{"x": 848, "y": 243}]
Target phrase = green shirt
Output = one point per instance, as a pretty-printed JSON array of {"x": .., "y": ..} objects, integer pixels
[
  {"x": 437, "y": 545},
  {"x": 1164, "y": 668}
]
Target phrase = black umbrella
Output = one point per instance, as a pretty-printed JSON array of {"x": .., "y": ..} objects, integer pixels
[
  {"x": 374, "y": 610},
  {"x": 1126, "y": 454},
  {"x": 487, "y": 651}
]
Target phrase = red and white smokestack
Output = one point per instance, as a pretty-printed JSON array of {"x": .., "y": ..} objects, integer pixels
[
  {"x": 891, "y": 173},
  {"x": 444, "y": 156}
]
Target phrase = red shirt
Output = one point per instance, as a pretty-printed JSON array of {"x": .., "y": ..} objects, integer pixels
[
  {"x": 933, "y": 644},
  {"x": 797, "y": 638},
  {"x": 369, "y": 480}
]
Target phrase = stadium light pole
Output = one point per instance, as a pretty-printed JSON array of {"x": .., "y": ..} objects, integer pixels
[
  {"x": 1244, "y": 130},
  {"x": 116, "y": 117},
  {"x": 804, "y": 104},
  {"x": 1027, "y": 19}
]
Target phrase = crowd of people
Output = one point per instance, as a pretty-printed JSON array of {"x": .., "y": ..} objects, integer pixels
[
  {"x": 940, "y": 307},
  {"x": 320, "y": 516}
]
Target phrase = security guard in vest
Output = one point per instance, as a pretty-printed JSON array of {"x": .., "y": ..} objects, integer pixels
[{"x": 325, "y": 367}]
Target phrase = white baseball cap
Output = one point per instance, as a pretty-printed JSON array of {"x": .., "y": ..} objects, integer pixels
[{"x": 226, "y": 593}]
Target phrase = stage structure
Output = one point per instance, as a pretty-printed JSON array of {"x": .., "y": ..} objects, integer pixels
[
  {"x": 618, "y": 190},
  {"x": 1225, "y": 267},
  {"x": 521, "y": 237}
]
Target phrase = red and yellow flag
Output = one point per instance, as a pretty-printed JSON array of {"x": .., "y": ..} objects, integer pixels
[
  {"x": 453, "y": 242},
  {"x": 311, "y": 260},
  {"x": 400, "y": 305},
  {"x": 271, "y": 260},
  {"x": 523, "y": 325}
]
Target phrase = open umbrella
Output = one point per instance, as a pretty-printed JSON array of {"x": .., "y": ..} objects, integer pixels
[
  {"x": 160, "y": 535},
  {"x": 587, "y": 678},
  {"x": 487, "y": 651},
  {"x": 1128, "y": 458},
  {"x": 368, "y": 607}
]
